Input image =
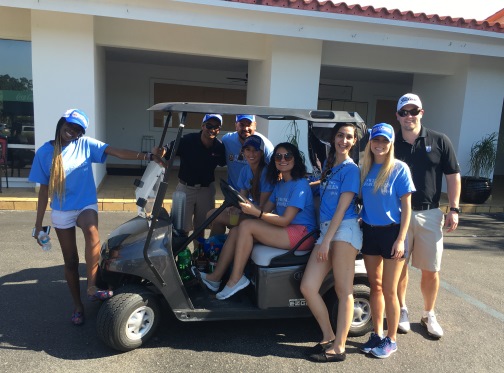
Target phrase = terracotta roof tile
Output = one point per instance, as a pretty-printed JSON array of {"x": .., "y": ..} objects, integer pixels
[{"x": 384, "y": 13}]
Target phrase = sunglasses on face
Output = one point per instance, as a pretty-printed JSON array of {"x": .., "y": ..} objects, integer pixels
[
  {"x": 413, "y": 112},
  {"x": 210, "y": 126},
  {"x": 287, "y": 156}
]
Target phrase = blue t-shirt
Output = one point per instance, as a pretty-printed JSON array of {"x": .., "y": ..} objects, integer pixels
[
  {"x": 296, "y": 193},
  {"x": 245, "y": 182},
  {"x": 344, "y": 177},
  {"x": 78, "y": 156},
  {"x": 234, "y": 162},
  {"x": 385, "y": 208}
]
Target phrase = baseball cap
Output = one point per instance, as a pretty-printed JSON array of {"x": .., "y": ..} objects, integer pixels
[
  {"x": 409, "y": 99},
  {"x": 254, "y": 141},
  {"x": 245, "y": 116},
  {"x": 207, "y": 117},
  {"x": 78, "y": 117},
  {"x": 382, "y": 129}
]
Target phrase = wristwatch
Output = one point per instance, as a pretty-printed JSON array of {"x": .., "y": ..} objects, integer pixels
[{"x": 456, "y": 209}]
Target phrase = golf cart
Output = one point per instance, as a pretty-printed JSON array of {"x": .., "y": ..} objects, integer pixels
[{"x": 138, "y": 260}]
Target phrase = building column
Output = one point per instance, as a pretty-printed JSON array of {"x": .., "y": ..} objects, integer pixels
[
  {"x": 64, "y": 73},
  {"x": 288, "y": 77}
]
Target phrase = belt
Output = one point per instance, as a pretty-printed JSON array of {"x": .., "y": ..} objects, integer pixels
[
  {"x": 425, "y": 206},
  {"x": 194, "y": 185},
  {"x": 381, "y": 226}
]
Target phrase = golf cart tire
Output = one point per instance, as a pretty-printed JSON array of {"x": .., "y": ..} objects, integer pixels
[
  {"x": 128, "y": 319},
  {"x": 361, "y": 323}
]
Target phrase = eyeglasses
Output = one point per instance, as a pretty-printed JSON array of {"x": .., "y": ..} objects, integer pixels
[
  {"x": 287, "y": 156},
  {"x": 413, "y": 112},
  {"x": 209, "y": 126}
]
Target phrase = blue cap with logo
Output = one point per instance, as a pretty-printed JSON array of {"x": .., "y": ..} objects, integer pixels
[
  {"x": 254, "y": 141},
  {"x": 383, "y": 129},
  {"x": 207, "y": 117},
  {"x": 245, "y": 116},
  {"x": 78, "y": 117}
]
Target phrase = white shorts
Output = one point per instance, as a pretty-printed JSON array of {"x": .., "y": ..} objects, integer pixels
[
  {"x": 349, "y": 231},
  {"x": 68, "y": 219}
]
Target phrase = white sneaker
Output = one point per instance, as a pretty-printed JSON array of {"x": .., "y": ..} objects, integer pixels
[
  {"x": 433, "y": 327},
  {"x": 404, "y": 324},
  {"x": 229, "y": 291},
  {"x": 212, "y": 285}
]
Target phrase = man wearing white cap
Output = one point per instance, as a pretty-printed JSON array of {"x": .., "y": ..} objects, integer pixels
[
  {"x": 233, "y": 142},
  {"x": 429, "y": 154},
  {"x": 200, "y": 153}
]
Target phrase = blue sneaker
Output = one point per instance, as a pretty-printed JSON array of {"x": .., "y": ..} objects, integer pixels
[
  {"x": 384, "y": 349},
  {"x": 373, "y": 341}
]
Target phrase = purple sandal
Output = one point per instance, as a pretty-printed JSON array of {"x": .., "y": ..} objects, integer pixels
[
  {"x": 100, "y": 295},
  {"x": 78, "y": 318}
]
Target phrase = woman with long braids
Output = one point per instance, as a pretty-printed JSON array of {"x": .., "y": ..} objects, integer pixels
[
  {"x": 63, "y": 168},
  {"x": 252, "y": 185},
  {"x": 339, "y": 243}
]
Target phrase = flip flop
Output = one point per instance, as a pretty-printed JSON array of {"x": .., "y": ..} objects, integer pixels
[
  {"x": 100, "y": 295},
  {"x": 78, "y": 318}
]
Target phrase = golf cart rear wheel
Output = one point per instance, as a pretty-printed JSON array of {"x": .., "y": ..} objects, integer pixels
[
  {"x": 361, "y": 323},
  {"x": 128, "y": 319}
]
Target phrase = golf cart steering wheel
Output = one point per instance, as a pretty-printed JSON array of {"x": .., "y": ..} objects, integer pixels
[{"x": 231, "y": 194}]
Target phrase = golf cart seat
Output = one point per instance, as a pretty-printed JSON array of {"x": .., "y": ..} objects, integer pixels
[{"x": 267, "y": 256}]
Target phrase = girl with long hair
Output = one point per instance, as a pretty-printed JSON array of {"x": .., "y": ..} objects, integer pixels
[
  {"x": 337, "y": 246},
  {"x": 292, "y": 201},
  {"x": 252, "y": 184},
  {"x": 63, "y": 168},
  {"x": 386, "y": 192}
]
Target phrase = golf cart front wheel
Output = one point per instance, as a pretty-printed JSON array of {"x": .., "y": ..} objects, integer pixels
[
  {"x": 361, "y": 322},
  {"x": 129, "y": 319}
]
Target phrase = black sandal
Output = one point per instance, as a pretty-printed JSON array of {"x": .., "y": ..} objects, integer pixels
[
  {"x": 319, "y": 347},
  {"x": 324, "y": 357}
]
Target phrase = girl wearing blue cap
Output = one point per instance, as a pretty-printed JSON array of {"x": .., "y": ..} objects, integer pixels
[
  {"x": 386, "y": 192},
  {"x": 251, "y": 183},
  {"x": 63, "y": 168},
  {"x": 339, "y": 243}
]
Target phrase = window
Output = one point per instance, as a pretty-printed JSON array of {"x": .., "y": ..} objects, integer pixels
[{"x": 16, "y": 105}]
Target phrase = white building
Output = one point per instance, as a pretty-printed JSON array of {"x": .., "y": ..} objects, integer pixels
[{"x": 114, "y": 59}]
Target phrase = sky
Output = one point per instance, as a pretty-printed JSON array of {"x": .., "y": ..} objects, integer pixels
[{"x": 467, "y": 9}]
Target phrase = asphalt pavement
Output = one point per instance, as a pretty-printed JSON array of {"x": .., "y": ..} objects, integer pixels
[{"x": 36, "y": 334}]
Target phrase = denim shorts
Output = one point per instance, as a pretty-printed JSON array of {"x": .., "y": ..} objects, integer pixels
[{"x": 349, "y": 231}]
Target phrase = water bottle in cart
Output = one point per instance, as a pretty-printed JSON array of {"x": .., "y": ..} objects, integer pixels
[{"x": 44, "y": 240}]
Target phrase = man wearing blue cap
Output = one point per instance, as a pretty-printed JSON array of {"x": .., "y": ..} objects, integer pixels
[
  {"x": 233, "y": 142},
  {"x": 200, "y": 153}
]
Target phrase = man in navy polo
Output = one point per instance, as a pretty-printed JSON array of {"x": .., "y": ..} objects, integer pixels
[
  {"x": 200, "y": 153},
  {"x": 430, "y": 155}
]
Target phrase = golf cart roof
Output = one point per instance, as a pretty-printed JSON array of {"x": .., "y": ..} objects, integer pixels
[{"x": 266, "y": 112}]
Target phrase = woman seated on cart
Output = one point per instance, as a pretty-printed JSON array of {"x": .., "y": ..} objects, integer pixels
[
  {"x": 252, "y": 183},
  {"x": 294, "y": 217}
]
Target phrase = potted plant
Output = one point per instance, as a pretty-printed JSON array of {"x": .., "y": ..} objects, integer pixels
[{"x": 478, "y": 187}]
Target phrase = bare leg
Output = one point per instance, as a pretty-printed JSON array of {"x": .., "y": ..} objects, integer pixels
[
  {"x": 68, "y": 245},
  {"x": 313, "y": 277},
  {"x": 343, "y": 264},
  {"x": 220, "y": 223},
  {"x": 88, "y": 222},
  {"x": 391, "y": 271},
  {"x": 403, "y": 285},
  {"x": 374, "y": 268},
  {"x": 430, "y": 287},
  {"x": 248, "y": 232}
]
